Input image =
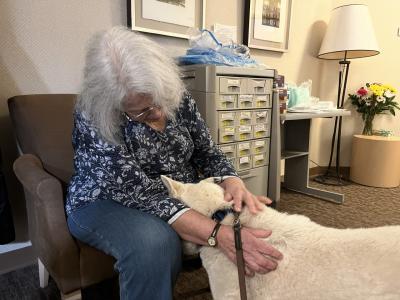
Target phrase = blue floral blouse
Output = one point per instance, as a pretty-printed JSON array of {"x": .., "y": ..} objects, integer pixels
[{"x": 130, "y": 173}]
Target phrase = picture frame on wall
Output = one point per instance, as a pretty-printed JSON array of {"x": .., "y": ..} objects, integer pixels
[
  {"x": 267, "y": 24},
  {"x": 166, "y": 17}
]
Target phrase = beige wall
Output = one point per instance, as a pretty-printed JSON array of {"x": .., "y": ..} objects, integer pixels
[
  {"x": 381, "y": 68},
  {"x": 42, "y": 49}
]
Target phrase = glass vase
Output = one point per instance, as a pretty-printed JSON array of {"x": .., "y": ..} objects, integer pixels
[{"x": 368, "y": 125}]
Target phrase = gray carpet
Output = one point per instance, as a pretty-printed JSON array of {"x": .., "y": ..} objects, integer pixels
[{"x": 363, "y": 207}]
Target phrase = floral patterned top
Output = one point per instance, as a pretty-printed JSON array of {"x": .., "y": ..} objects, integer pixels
[{"x": 130, "y": 173}]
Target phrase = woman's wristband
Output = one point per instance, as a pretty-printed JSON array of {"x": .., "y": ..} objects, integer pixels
[{"x": 219, "y": 179}]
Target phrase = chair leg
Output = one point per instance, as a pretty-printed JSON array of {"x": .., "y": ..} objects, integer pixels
[
  {"x": 43, "y": 275},
  {"x": 76, "y": 295}
]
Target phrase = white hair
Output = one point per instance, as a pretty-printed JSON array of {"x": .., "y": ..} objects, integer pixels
[{"x": 120, "y": 62}]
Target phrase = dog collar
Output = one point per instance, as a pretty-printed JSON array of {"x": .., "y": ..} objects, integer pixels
[{"x": 219, "y": 215}]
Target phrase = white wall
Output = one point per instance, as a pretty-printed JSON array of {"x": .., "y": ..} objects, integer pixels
[{"x": 381, "y": 68}]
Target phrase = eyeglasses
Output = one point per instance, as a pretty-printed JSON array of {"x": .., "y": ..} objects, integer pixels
[{"x": 144, "y": 113}]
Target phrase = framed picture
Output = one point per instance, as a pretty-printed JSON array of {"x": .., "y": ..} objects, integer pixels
[
  {"x": 267, "y": 24},
  {"x": 166, "y": 17}
]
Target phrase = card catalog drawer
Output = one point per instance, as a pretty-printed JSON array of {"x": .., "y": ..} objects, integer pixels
[
  {"x": 243, "y": 149},
  {"x": 231, "y": 85},
  {"x": 228, "y": 150},
  {"x": 243, "y": 163},
  {"x": 260, "y": 130},
  {"x": 262, "y": 101},
  {"x": 245, "y": 101},
  {"x": 226, "y": 119},
  {"x": 226, "y": 134},
  {"x": 257, "y": 86},
  {"x": 259, "y": 146},
  {"x": 243, "y": 133},
  {"x": 260, "y": 160},
  {"x": 261, "y": 117},
  {"x": 243, "y": 117},
  {"x": 227, "y": 101}
]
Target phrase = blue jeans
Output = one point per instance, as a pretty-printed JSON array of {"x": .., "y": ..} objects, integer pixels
[{"x": 147, "y": 249}]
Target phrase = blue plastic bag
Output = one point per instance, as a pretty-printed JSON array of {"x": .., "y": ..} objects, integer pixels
[{"x": 206, "y": 49}]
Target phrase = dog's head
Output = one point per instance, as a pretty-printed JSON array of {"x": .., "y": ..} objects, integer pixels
[{"x": 206, "y": 197}]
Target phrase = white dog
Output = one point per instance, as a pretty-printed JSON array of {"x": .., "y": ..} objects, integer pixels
[{"x": 319, "y": 262}]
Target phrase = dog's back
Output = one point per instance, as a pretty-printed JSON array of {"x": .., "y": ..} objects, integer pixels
[{"x": 319, "y": 262}]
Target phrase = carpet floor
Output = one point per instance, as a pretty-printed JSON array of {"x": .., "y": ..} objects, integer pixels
[{"x": 363, "y": 207}]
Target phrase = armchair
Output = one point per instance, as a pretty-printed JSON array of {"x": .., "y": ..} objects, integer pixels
[{"x": 43, "y": 126}]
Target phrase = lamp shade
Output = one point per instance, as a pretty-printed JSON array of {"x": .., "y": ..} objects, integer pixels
[{"x": 350, "y": 34}]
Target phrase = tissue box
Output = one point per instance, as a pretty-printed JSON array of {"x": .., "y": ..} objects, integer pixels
[{"x": 300, "y": 96}]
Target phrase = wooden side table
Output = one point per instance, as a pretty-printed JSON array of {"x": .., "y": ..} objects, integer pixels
[{"x": 375, "y": 161}]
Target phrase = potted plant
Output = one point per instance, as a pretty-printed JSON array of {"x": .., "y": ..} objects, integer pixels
[{"x": 373, "y": 100}]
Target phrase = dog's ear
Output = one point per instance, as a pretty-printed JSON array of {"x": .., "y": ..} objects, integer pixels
[{"x": 175, "y": 188}]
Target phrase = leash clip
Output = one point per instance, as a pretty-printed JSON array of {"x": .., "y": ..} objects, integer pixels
[{"x": 236, "y": 220}]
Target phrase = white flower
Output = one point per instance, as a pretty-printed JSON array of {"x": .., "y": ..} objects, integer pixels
[
  {"x": 380, "y": 98},
  {"x": 388, "y": 94}
]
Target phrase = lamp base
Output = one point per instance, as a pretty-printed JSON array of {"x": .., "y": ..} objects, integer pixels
[{"x": 330, "y": 178}]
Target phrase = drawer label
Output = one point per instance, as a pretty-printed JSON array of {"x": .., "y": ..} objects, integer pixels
[
  {"x": 244, "y": 160},
  {"x": 259, "y": 143},
  {"x": 258, "y": 83},
  {"x": 245, "y": 128},
  {"x": 244, "y": 146},
  {"x": 261, "y": 98},
  {"x": 260, "y": 127},
  {"x": 227, "y": 116},
  {"x": 259, "y": 157},
  {"x": 228, "y": 130},
  {"x": 227, "y": 149},
  {"x": 233, "y": 82},
  {"x": 228, "y": 98},
  {"x": 245, "y": 115},
  {"x": 246, "y": 97},
  {"x": 261, "y": 114}
]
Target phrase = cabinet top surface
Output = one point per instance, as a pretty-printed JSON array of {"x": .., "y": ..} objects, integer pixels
[
  {"x": 327, "y": 114},
  {"x": 233, "y": 71}
]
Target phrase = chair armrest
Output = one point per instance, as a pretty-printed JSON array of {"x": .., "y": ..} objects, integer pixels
[{"x": 48, "y": 230}]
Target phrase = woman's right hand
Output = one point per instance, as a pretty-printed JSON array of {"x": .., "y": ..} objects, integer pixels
[{"x": 259, "y": 256}]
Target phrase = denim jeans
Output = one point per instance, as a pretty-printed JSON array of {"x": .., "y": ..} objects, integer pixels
[{"x": 147, "y": 250}]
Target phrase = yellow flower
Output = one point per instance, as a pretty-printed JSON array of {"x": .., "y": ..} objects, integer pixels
[
  {"x": 376, "y": 89},
  {"x": 390, "y": 88}
]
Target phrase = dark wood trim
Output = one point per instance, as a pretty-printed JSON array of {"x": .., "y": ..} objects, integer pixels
[
  {"x": 128, "y": 13},
  {"x": 246, "y": 22}
]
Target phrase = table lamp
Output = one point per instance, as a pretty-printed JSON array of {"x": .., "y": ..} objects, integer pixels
[{"x": 349, "y": 35}]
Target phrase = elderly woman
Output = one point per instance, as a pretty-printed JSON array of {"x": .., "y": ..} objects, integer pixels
[{"x": 133, "y": 123}]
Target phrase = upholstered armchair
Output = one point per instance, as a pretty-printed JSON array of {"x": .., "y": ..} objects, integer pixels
[{"x": 43, "y": 126}]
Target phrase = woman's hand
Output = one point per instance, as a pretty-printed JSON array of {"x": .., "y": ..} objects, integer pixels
[
  {"x": 236, "y": 191},
  {"x": 259, "y": 256}
]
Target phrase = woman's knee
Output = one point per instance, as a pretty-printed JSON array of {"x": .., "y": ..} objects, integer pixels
[{"x": 157, "y": 244}]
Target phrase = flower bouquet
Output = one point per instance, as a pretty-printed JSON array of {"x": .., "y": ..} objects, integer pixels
[{"x": 375, "y": 99}]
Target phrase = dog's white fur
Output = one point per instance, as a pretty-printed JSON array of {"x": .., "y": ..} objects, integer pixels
[{"x": 319, "y": 262}]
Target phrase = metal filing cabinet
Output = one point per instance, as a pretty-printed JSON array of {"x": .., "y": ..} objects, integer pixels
[{"x": 238, "y": 107}]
